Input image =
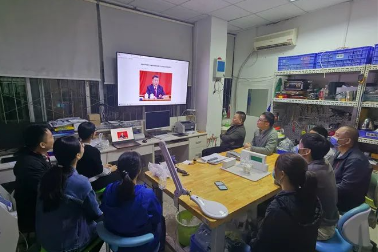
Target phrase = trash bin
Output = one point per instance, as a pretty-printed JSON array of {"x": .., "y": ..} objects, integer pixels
[{"x": 187, "y": 225}]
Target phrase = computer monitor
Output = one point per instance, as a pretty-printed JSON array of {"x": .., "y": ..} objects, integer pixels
[{"x": 157, "y": 119}]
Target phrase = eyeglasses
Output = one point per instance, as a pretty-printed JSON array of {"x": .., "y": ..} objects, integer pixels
[{"x": 262, "y": 120}]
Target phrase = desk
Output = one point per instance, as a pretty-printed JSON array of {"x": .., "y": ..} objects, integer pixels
[
  {"x": 242, "y": 194},
  {"x": 185, "y": 147}
]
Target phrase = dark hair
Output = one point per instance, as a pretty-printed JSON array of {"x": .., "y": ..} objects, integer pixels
[
  {"x": 317, "y": 143},
  {"x": 241, "y": 115},
  {"x": 129, "y": 165},
  {"x": 352, "y": 133},
  {"x": 304, "y": 182},
  {"x": 155, "y": 76},
  {"x": 34, "y": 135},
  {"x": 85, "y": 130},
  {"x": 54, "y": 180},
  {"x": 269, "y": 117},
  {"x": 321, "y": 130}
]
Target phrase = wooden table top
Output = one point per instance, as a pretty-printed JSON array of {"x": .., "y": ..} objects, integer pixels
[{"x": 241, "y": 194}]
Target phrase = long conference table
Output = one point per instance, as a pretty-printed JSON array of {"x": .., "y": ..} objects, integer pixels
[{"x": 242, "y": 194}]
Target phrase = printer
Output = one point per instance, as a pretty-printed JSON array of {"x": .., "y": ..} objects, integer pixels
[{"x": 184, "y": 126}]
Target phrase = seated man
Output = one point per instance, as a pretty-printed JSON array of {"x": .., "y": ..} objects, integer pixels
[
  {"x": 265, "y": 138},
  {"x": 233, "y": 138},
  {"x": 313, "y": 147},
  {"x": 352, "y": 169}
]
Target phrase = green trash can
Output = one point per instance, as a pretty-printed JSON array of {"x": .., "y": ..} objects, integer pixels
[{"x": 187, "y": 225}]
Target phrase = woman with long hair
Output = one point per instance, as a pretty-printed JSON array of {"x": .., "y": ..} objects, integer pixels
[
  {"x": 66, "y": 207},
  {"x": 131, "y": 209},
  {"x": 292, "y": 219}
]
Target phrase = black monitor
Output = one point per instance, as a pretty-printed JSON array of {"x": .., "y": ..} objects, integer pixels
[{"x": 157, "y": 119}]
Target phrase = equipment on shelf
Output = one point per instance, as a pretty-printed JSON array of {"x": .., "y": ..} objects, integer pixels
[
  {"x": 209, "y": 208},
  {"x": 184, "y": 126},
  {"x": 297, "y": 85},
  {"x": 332, "y": 87}
]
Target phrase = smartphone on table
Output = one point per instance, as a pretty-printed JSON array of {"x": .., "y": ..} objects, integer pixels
[{"x": 221, "y": 186}]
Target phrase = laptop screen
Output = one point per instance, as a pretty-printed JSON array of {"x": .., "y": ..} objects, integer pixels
[{"x": 122, "y": 134}]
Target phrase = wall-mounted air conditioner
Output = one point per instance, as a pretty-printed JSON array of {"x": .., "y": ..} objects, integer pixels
[{"x": 274, "y": 40}]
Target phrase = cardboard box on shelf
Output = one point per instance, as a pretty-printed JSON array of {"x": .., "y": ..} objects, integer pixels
[{"x": 95, "y": 118}]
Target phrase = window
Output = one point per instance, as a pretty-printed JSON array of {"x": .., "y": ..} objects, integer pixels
[
  {"x": 53, "y": 99},
  {"x": 257, "y": 101},
  {"x": 13, "y": 100}
]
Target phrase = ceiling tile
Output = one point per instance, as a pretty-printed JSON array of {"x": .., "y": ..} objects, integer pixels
[
  {"x": 234, "y": 1},
  {"x": 311, "y": 5},
  {"x": 261, "y": 5},
  {"x": 249, "y": 21},
  {"x": 152, "y": 5},
  {"x": 181, "y": 13},
  {"x": 197, "y": 18},
  {"x": 230, "y": 12},
  {"x": 121, "y": 2},
  {"x": 232, "y": 28},
  {"x": 178, "y": 2},
  {"x": 205, "y": 6},
  {"x": 281, "y": 12}
]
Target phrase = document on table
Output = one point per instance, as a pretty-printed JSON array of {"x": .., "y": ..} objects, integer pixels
[{"x": 214, "y": 158}]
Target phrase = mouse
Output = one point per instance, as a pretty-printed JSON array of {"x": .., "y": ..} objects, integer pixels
[{"x": 144, "y": 141}]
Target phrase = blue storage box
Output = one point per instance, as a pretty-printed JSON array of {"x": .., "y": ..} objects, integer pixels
[
  {"x": 343, "y": 58},
  {"x": 297, "y": 62},
  {"x": 195, "y": 246},
  {"x": 368, "y": 134},
  {"x": 374, "y": 60}
]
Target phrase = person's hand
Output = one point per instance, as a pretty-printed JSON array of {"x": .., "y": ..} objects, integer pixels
[
  {"x": 160, "y": 96},
  {"x": 113, "y": 168},
  {"x": 107, "y": 165},
  {"x": 247, "y": 145}
]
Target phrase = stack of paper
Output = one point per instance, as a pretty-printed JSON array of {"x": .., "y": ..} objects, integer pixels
[{"x": 214, "y": 158}]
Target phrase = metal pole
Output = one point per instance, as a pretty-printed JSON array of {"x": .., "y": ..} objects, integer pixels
[
  {"x": 101, "y": 54},
  {"x": 30, "y": 100}
]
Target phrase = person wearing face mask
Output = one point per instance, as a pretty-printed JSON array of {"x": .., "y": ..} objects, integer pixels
[
  {"x": 313, "y": 147},
  {"x": 352, "y": 169},
  {"x": 265, "y": 139},
  {"x": 233, "y": 138},
  {"x": 66, "y": 206},
  {"x": 292, "y": 219}
]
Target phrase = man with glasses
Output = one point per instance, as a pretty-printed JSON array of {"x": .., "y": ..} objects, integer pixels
[
  {"x": 265, "y": 138},
  {"x": 313, "y": 147},
  {"x": 352, "y": 169}
]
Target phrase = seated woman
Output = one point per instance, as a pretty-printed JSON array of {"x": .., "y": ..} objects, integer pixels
[
  {"x": 292, "y": 219},
  {"x": 90, "y": 165},
  {"x": 130, "y": 209},
  {"x": 66, "y": 206}
]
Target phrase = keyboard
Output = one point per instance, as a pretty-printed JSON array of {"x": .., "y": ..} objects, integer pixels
[
  {"x": 160, "y": 132},
  {"x": 126, "y": 144},
  {"x": 163, "y": 136}
]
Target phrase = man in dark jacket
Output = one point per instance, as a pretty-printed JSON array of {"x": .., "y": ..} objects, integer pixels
[
  {"x": 155, "y": 89},
  {"x": 352, "y": 169},
  {"x": 313, "y": 147},
  {"x": 29, "y": 169},
  {"x": 233, "y": 138}
]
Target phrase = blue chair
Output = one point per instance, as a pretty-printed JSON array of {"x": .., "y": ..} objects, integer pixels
[
  {"x": 352, "y": 230},
  {"x": 114, "y": 242}
]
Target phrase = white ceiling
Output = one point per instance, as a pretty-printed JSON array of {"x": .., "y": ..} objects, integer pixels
[{"x": 240, "y": 14}]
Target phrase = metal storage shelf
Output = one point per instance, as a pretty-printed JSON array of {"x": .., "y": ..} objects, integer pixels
[
  {"x": 370, "y": 104},
  {"x": 316, "y": 102},
  {"x": 373, "y": 67},
  {"x": 367, "y": 140},
  {"x": 324, "y": 70}
]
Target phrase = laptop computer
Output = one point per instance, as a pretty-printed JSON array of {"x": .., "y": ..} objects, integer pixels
[{"x": 123, "y": 138}]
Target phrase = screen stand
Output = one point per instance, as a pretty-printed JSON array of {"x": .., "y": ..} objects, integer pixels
[{"x": 209, "y": 208}]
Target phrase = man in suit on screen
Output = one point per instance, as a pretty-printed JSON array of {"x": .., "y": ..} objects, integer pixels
[{"x": 155, "y": 89}]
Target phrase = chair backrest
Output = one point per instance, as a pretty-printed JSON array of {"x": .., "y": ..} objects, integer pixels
[
  {"x": 8, "y": 230},
  {"x": 373, "y": 188},
  {"x": 354, "y": 227}
]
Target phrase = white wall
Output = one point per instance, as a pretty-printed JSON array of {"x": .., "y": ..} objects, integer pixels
[
  {"x": 324, "y": 29},
  {"x": 210, "y": 42}
]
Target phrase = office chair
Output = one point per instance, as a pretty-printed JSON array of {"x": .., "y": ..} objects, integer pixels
[
  {"x": 352, "y": 230},
  {"x": 86, "y": 249},
  {"x": 114, "y": 242}
]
